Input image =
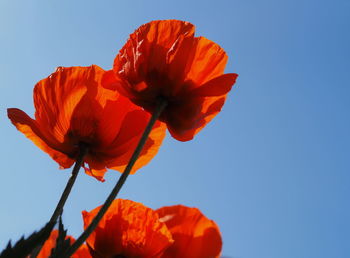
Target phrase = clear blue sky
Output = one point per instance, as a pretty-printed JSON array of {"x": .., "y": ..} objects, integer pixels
[{"x": 272, "y": 169}]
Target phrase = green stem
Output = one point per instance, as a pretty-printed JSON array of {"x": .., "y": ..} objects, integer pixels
[{"x": 159, "y": 109}]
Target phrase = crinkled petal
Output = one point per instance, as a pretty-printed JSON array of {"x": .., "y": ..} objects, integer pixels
[
  {"x": 128, "y": 229},
  {"x": 144, "y": 60},
  {"x": 148, "y": 47},
  {"x": 69, "y": 104},
  {"x": 73, "y": 107},
  {"x": 163, "y": 60},
  {"x": 194, "y": 234}
]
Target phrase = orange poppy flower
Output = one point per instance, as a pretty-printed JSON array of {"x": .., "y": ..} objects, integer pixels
[
  {"x": 194, "y": 234},
  {"x": 50, "y": 243},
  {"x": 163, "y": 60},
  {"x": 73, "y": 108},
  {"x": 128, "y": 229}
]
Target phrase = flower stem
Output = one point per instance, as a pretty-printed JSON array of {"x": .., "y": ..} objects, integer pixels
[
  {"x": 157, "y": 112},
  {"x": 83, "y": 149}
]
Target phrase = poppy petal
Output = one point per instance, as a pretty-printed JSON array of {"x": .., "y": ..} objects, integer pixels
[
  {"x": 148, "y": 46},
  {"x": 128, "y": 229},
  {"x": 50, "y": 243},
  {"x": 207, "y": 61},
  {"x": 163, "y": 60},
  {"x": 149, "y": 150},
  {"x": 96, "y": 173},
  {"x": 82, "y": 252},
  {"x": 194, "y": 234},
  {"x": 73, "y": 107},
  {"x": 216, "y": 87},
  {"x": 30, "y": 129},
  {"x": 56, "y": 98},
  {"x": 192, "y": 115}
]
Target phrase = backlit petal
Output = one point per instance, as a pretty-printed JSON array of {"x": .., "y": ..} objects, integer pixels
[
  {"x": 147, "y": 48},
  {"x": 194, "y": 234},
  {"x": 207, "y": 61},
  {"x": 128, "y": 229},
  {"x": 163, "y": 60},
  {"x": 30, "y": 129},
  {"x": 55, "y": 99},
  {"x": 73, "y": 106},
  {"x": 216, "y": 87},
  {"x": 50, "y": 243},
  {"x": 150, "y": 149},
  {"x": 187, "y": 119}
]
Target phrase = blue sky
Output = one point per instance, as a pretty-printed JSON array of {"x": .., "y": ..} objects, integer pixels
[{"x": 272, "y": 169}]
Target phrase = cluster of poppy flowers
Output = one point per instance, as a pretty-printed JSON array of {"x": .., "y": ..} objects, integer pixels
[
  {"x": 163, "y": 77},
  {"x": 130, "y": 229}
]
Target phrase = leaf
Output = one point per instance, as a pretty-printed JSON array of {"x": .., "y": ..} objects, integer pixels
[
  {"x": 62, "y": 242},
  {"x": 24, "y": 247}
]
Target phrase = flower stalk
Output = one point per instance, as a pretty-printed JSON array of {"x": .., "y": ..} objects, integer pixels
[
  {"x": 83, "y": 149},
  {"x": 155, "y": 115}
]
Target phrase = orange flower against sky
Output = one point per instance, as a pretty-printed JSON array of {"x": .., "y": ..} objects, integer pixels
[
  {"x": 50, "y": 243},
  {"x": 194, "y": 234},
  {"x": 128, "y": 229},
  {"x": 73, "y": 108},
  {"x": 163, "y": 60}
]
